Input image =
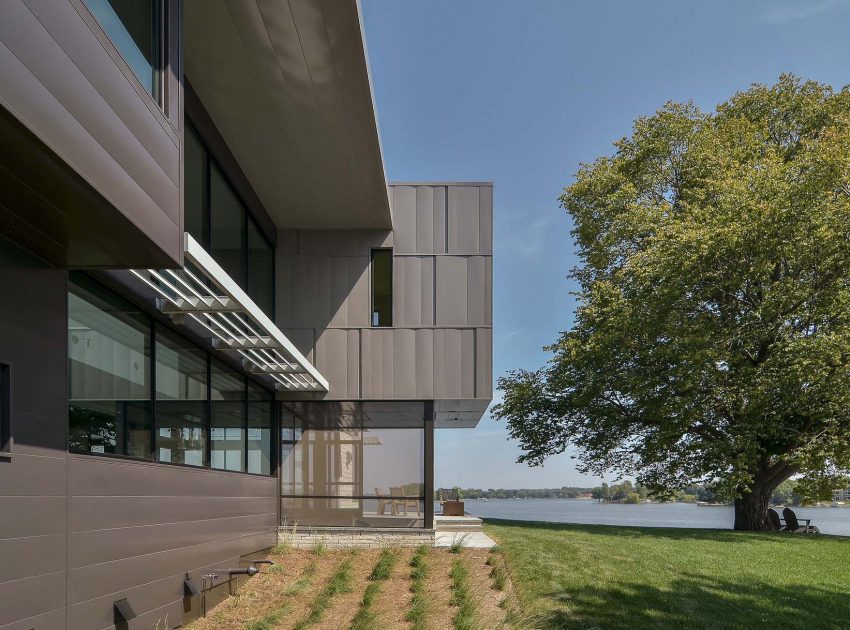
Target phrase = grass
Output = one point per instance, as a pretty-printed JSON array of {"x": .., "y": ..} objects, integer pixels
[
  {"x": 586, "y": 576},
  {"x": 339, "y": 582},
  {"x": 464, "y": 618},
  {"x": 419, "y": 603},
  {"x": 271, "y": 619},
  {"x": 366, "y": 617}
]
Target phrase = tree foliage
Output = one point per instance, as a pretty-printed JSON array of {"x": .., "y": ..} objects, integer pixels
[{"x": 711, "y": 341}]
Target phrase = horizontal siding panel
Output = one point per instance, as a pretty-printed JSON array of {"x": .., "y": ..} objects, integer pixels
[
  {"x": 95, "y": 513},
  {"x": 31, "y": 597},
  {"x": 101, "y": 476},
  {"x": 53, "y": 620},
  {"x": 29, "y": 475},
  {"x": 32, "y": 515},
  {"x": 95, "y": 547},
  {"x": 33, "y": 556},
  {"x": 109, "y": 577}
]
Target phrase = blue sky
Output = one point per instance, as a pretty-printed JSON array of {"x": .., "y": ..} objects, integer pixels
[{"x": 520, "y": 92}]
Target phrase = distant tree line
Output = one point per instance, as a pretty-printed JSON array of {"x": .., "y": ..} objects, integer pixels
[{"x": 790, "y": 492}]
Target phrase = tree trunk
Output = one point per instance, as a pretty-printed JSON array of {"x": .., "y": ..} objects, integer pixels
[
  {"x": 751, "y": 509},
  {"x": 751, "y": 506}
]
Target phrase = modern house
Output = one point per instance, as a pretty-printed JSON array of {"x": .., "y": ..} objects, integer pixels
[{"x": 217, "y": 316}]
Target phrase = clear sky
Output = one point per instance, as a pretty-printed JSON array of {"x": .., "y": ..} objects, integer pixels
[{"x": 520, "y": 92}]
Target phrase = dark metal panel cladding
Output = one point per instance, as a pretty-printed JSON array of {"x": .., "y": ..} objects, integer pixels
[
  {"x": 112, "y": 148},
  {"x": 137, "y": 528},
  {"x": 33, "y": 539}
]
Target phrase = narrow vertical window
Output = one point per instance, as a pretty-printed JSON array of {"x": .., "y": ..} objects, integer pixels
[
  {"x": 5, "y": 410},
  {"x": 227, "y": 428},
  {"x": 382, "y": 287},
  {"x": 135, "y": 27}
]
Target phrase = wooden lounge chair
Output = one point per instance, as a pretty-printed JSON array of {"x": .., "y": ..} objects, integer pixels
[
  {"x": 792, "y": 524},
  {"x": 398, "y": 498},
  {"x": 383, "y": 501},
  {"x": 772, "y": 520}
]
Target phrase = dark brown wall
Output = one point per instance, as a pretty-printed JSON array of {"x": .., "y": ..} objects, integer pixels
[
  {"x": 137, "y": 528},
  {"x": 64, "y": 82},
  {"x": 121, "y": 528},
  {"x": 33, "y": 502}
]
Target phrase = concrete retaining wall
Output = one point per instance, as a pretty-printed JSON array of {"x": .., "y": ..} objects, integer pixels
[{"x": 354, "y": 538}]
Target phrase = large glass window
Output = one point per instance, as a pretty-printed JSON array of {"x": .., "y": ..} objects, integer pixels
[
  {"x": 108, "y": 373},
  {"x": 227, "y": 226},
  {"x": 260, "y": 269},
  {"x": 134, "y": 26},
  {"x": 216, "y": 217},
  {"x": 181, "y": 400},
  {"x": 259, "y": 430},
  {"x": 5, "y": 410},
  {"x": 137, "y": 388},
  {"x": 195, "y": 176},
  {"x": 353, "y": 464},
  {"x": 382, "y": 287},
  {"x": 228, "y": 419}
]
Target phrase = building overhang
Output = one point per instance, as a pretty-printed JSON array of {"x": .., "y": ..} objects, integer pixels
[
  {"x": 286, "y": 82},
  {"x": 459, "y": 414}
]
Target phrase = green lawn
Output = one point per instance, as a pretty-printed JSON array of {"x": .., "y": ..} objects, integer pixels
[{"x": 595, "y": 576}]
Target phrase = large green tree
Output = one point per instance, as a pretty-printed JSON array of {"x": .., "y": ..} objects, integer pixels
[{"x": 711, "y": 341}]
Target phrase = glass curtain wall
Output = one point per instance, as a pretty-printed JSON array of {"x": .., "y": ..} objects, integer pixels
[
  {"x": 109, "y": 352},
  {"x": 181, "y": 400},
  {"x": 139, "y": 389},
  {"x": 228, "y": 418},
  {"x": 216, "y": 217},
  {"x": 353, "y": 464}
]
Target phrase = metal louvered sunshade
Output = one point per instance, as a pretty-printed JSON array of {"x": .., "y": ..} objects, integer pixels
[{"x": 204, "y": 292}]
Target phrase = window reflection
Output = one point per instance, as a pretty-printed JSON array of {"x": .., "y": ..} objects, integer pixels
[
  {"x": 134, "y": 28},
  {"x": 108, "y": 372},
  {"x": 181, "y": 400},
  {"x": 347, "y": 464},
  {"x": 227, "y": 429}
]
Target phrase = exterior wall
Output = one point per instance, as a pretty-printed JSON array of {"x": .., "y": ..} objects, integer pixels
[
  {"x": 78, "y": 532},
  {"x": 440, "y": 346},
  {"x": 33, "y": 487},
  {"x": 136, "y": 528},
  {"x": 63, "y": 80},
  {"x": 354, "y": 537}
]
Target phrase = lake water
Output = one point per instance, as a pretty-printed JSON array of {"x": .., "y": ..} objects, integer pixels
[{"x": 829, "y": 520}]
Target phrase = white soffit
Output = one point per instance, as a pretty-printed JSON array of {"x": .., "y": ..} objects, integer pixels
[{"x": 205, "y": 293}]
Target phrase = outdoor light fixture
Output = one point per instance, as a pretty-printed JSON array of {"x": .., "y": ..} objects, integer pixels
[
  {"x": 190, "y": 589},
  {"x": 122, "y": 612}
]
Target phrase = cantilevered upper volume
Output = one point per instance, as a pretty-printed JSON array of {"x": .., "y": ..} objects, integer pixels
[{"x": 287, "y": 84}]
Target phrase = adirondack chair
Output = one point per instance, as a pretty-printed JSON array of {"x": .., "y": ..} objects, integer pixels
[
  {"x": 772, "y": 520},
  {"x": 793, "y": 524}
]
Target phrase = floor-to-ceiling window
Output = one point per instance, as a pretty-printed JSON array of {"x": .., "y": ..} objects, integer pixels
[
  {"x": 356, "y": 464},
  {"x": 217, "y": 218},
  {"x": 139, "y": 389}
]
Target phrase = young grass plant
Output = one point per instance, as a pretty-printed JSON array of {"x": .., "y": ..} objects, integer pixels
[
  {"x": 419, "y": 604},
  {"x": 366, "y": 618},
  {"x": 339, "y": 582},
  {"x": 464, "y": 619},
  {"x": 271, "y": 619},
  {"x": 319, "y": 548},
  {"x": 458, "y": 543}
]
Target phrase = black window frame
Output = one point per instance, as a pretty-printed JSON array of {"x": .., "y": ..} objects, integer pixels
[
  {"x": 373, "y": 251},
  {"x": 5, "y": 409},
  {"x": 248, "y": 218},
  {"x": 154, "y": 322},
  {"x": 158, "y": 68}
]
